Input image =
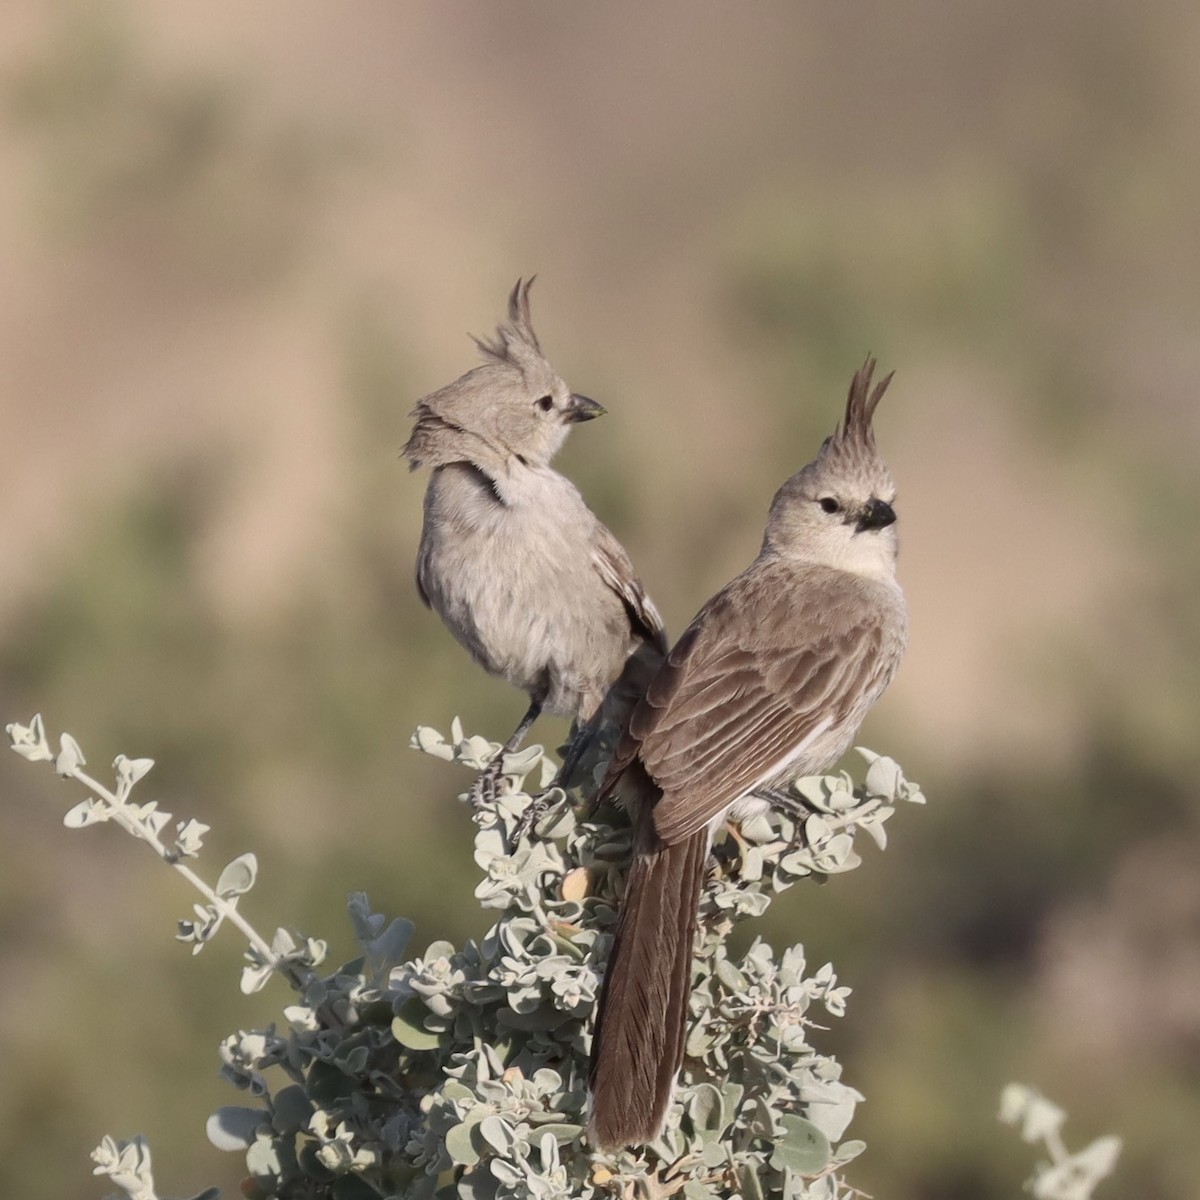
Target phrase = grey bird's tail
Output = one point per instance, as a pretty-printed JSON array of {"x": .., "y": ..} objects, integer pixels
[
  {"x": 642, "y": 1017},
  {"x": 611, "y": 712}
]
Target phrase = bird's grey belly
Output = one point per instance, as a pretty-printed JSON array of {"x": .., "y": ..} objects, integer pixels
[{"x": 531, "y": 610}]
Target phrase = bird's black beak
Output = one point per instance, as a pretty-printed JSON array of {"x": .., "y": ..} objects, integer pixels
[
  {"x": 582, "y": 409},
  {"x": 876, "y": 514}
]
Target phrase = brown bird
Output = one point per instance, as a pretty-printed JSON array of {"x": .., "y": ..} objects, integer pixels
[
  {"x": 768, "y": 684},
  {"x": 518, "y": 567}
]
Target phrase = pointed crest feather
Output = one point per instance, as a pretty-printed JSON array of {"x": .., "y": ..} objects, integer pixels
[
  {"x": 515, "y": 335},
  {"x": 477, "y": 417},
  {"x": 861, "y": 405}
]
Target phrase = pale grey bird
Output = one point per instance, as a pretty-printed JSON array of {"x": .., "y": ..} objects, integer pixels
[
  {"x": 511, "y": 558},
  {"x": 768, "y": 684}
]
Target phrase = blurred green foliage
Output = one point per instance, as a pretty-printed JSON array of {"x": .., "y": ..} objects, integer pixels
[{"x": 1029, "y": 229}]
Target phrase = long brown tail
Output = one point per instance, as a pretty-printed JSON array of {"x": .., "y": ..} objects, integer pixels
[{"x": 642, "y": 1018}]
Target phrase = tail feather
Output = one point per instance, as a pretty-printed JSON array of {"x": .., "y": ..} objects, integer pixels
[
  {"x": 642, "y": 1021},
  {"x": 610, "y": 710}
]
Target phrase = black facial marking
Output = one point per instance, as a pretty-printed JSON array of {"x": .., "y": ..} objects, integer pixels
[{"x": 875, "y": 514}]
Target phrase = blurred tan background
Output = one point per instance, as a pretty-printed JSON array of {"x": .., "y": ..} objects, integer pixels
[{"x": 238, "y": 241}]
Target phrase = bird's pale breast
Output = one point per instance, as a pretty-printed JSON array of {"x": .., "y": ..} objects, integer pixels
[{"x": 509, "y": 567}]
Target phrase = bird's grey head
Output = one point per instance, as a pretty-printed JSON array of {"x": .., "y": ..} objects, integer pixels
[
  {"x": 839, "y": 510},
  {"x": 514, "y": 406}
]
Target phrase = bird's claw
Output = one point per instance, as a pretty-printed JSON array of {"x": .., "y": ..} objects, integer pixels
[
  {"x": 786, "y": 802},
  {"x": 714, "y": 868},
  {"x": 486, "y": 788},
  {"x": 537, "y": 808}
]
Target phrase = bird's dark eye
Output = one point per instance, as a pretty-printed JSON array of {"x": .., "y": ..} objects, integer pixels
[
  {"x": 546, "y": 403},
  {"x": 829, "y": 504}
]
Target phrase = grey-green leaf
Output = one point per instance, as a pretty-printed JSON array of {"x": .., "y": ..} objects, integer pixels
[
  {"x": 292, "y": 1109},
  {"x": 563, "y": 1131},
  {"x": 233, "y": 1127},
  {"x": 803, "y": 1147},
  {"x": 408, "y": 1027},
  {"x": 751, "y": 1183},
  {"x": 460, "y": 1146},
  {"x": 238, "y": 877},
  {"x": 707, "y": 1107}
]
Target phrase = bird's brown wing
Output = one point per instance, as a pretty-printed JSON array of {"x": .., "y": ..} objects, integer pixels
[
  {"x": 616, "y": 570},
  {"x": 773, "y": 664}
]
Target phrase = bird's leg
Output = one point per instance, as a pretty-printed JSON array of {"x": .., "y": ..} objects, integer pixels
[
  {"x": 790, "y": 805},
  {"x": 577, "y": 745},
  {"x": 486, "y": 789},
  {"x": 538, "y": 806},
  {"x": 732, "y": 828},
  {"x": 721, "y": 856},
  {"x": 580, "y": 740},
  {"x": 785, "y": 801}
]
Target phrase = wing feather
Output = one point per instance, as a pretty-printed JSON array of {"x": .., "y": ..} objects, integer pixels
[
  {"x": 616, "y": 570},
  {"x": 768, "y": 668}
]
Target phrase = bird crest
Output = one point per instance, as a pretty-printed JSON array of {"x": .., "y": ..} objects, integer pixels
[
  {"x": 861, "y": 403},
  {"x": 515, "y": 338},
  {"x": 489, "y": 413},
  {"x": 852, "y": 445}
]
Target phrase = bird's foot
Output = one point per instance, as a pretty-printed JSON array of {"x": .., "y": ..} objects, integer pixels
[
  {"x": 792, "y": 806},
  {"x": 786, "y": 802},
  {"x": 716, "y": 865},
  {"x": 488, "y": 783},
  {"x": 537, "y": 808}
]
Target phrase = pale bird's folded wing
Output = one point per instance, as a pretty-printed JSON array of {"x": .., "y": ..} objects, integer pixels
[
  {"x": 616, "y": 570},
  {"x": 762, "y": 674}
]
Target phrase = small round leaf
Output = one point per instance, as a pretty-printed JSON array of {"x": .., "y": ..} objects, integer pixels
[
  {"x": 803, "y": 1147},
  {"x": 238, "y": 877}
]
